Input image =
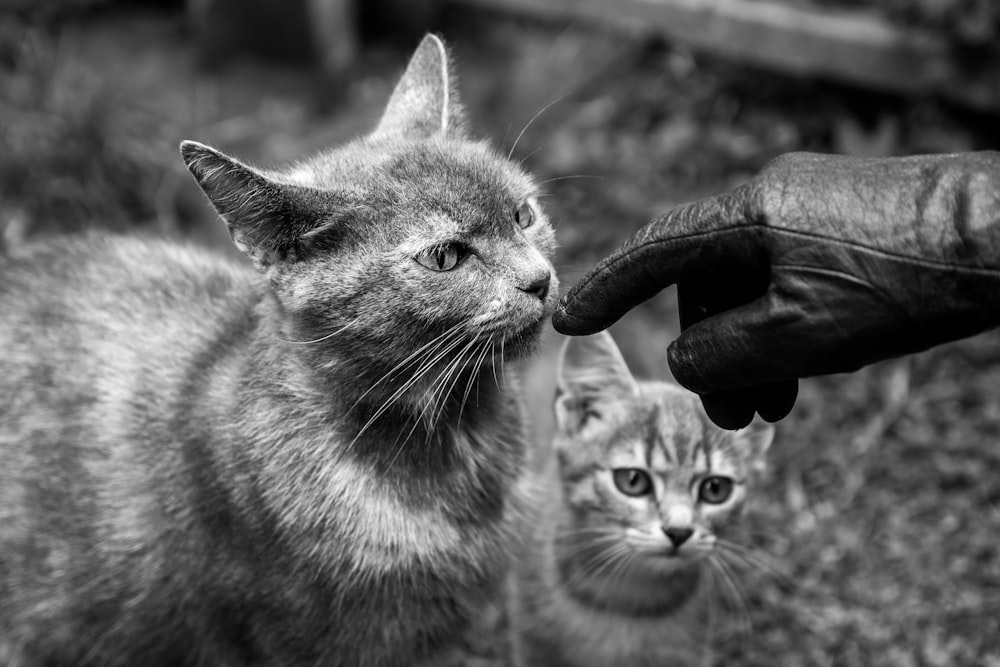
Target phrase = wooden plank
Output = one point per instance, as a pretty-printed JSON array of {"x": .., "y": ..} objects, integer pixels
[{"x": 855, "y": 47}]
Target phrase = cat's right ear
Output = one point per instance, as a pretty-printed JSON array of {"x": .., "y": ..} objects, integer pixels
[
  {"x": 425, "y": 100},
  {"x": 265, "y": 218},
  {"x": 592, "y": 378}
]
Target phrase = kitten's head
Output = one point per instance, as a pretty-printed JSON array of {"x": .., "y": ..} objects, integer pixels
[
  {"x": 641, "y": 464},
  {"x": 415, "y": 235}
]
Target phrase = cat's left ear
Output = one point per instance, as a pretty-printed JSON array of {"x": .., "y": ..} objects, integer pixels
[
  {"x": 424, "y": 102},
  {"x": 592, "y": 379},
  {"x": 266, "y": 218},
  {"x": 756, "y": 439}
]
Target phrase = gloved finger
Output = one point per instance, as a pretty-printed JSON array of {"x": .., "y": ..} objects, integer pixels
[
  {"x": 732, "y": 409},
  {"x": 690, "y": 243},
  {"x": 774, "y": 401},
  {"x": 747, "y": 346}
]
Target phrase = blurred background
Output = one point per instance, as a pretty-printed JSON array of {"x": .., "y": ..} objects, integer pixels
[{"x": 878, "y": 525}]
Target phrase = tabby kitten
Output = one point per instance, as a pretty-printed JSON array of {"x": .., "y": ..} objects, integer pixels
[
  {"x": 633, "y": 505},
  {"x": 312, "y": 463}
]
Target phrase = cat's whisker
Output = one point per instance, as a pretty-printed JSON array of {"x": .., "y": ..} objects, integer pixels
[
  {"x": 532, "y": 120},
  {"x": 471, "y": 365},
  {"x": 432, "y": 357},
  {"x": 493, "y": 363},
  {"x": 526, "y": 157},
  {"x": 420, "y": 418},
  {"x": 474, "y": 375},
  {"x": 444, "y": 384},
  {"x": 321, "y": 338},
  {"x": 503, "y": 377},
  {"x": 568, "y": 177},
  {"x": 413, "y": 358}
]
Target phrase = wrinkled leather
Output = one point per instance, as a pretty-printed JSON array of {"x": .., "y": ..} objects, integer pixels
[{"x": 819, "y": 264}]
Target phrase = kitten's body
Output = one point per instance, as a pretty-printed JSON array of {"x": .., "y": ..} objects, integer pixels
[
  {"x": 602, "y": 583},
  {"x": 203, "y": 465}
]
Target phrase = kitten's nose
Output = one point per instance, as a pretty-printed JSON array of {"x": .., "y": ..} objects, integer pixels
[
  {"x": 539, "y": 286},
  {"x": 678, "y": 536}
]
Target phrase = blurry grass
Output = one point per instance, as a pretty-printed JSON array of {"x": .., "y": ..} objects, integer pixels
[
  {"x": 74, "y": 154},
  {"x": 888, "y": 534}
]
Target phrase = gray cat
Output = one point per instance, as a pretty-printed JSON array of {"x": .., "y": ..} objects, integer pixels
[{"x": 313, "y": 463}]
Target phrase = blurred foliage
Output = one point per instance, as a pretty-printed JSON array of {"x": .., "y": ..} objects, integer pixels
[
  {"x": 974, "y": 23},
  {"x": 74, "y": 154}
]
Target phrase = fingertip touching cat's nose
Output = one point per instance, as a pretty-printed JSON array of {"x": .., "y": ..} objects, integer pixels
[{"x": 539, "y": 286}]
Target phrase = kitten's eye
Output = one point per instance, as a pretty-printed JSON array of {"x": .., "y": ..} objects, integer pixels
[
  {"x": 632, "y": 481},
  {"x": 715, "y": 490},
  {"x": 524, "y": 215},
  {"x": 442, "y": 257}
]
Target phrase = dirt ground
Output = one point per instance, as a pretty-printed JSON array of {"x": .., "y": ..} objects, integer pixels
[{"x": 878, "y": 527}]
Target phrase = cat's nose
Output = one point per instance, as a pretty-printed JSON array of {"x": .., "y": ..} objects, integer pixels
[
  {"x": 539, "y": 286},
  {"x": 678, "y": 536}
]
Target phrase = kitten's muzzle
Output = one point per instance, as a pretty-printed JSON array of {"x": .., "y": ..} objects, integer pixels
[{"x": 678, "y": 536}]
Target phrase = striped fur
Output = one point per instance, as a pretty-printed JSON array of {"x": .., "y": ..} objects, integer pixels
[
  {"x": 602, "y": 583},
  {"x": 310, "y": 463}
]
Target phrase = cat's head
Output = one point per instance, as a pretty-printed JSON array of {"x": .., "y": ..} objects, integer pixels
[
  {"x": 641, "y": 464},
  {"x": 414, "y": 235}
]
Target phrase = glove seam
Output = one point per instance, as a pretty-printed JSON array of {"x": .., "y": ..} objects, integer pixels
[{"x": 919, "y": 261}]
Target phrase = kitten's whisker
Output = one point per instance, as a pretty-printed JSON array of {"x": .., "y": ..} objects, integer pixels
[
  {"x": 754, "y": 559},
  {"x": 533, "y": 119},
  {"x": 606, "y": 559},
  {"x": 321, "y": 338},
  {"x": 619, "y": 570},
  {"x": 738, "y": 598}
]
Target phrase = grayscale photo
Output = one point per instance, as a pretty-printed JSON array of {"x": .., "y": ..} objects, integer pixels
[{"x": 499, "y": 333}]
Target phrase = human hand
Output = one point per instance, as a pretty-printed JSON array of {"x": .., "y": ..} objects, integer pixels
[{"x": 819, "y": 264}]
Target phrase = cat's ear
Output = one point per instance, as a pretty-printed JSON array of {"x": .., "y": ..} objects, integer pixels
[
  {"x": 592, "y": 378},
  {"x": 756, "y": 439},
  {"x": 425, "y": 102},
  {"x": 265, "y": 218}
]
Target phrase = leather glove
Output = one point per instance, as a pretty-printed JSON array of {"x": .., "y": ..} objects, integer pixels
[{"x": 819, "y": 264}]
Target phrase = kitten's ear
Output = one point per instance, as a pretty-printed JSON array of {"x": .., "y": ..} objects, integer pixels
[
  {"x": 592, "y": 377},
  {"x": 757, "y": 439},
  {"x": 265, "y": 218},
  {"x": 425, "y": 102}
]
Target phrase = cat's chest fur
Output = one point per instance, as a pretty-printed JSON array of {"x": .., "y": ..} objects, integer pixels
[{"x": 174, "y": 453}]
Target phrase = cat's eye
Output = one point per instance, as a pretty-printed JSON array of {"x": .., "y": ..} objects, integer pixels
[
  {"x": 524, "y": 216},
  {"x": 715, "y": 490},
  {"x": 442, "y": 257},
  {"x": 632, "y": 481}
]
